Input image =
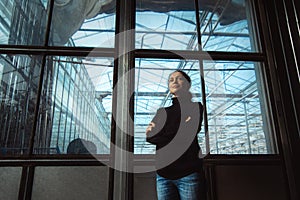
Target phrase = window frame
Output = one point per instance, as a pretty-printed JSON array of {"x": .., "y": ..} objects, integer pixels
[{"x": 199, "y": 55}]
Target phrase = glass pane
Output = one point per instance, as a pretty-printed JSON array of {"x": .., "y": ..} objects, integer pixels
[
  {"x": 161, "y": 25},
  {"x": 74, "y": 183},
  {"x": 19, "y": 77},
  {"x": 151, "y": 93},
  {"x": 23, "y": 22},
  {"x": 225, "y": 26},
  {"x": 75, "y": 109},
  {"x": 9, "y": 182},
  {"x": 238, "y": 120},
  {"x": 83, "y": 23}
]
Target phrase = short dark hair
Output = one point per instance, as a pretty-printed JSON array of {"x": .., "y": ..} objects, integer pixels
[{"x": 185, "y": 75}]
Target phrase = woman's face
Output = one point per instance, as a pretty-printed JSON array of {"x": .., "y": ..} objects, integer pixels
[{"x": 178, "y": 84}]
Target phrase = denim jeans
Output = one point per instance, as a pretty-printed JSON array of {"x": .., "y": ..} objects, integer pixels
[{"x": 190, "y": 187}]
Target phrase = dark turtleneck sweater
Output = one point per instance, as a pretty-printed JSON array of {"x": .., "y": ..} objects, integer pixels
[{"x": 175, "y": 137}]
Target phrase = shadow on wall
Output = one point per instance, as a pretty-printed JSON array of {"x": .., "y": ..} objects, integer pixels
[{"x": 81, "y": 146}]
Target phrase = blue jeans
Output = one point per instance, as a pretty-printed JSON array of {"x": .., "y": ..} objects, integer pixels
[{"x": 190, "y": 187}]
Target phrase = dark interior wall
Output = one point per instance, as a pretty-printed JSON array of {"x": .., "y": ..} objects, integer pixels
[
  {"x": 281, "y": 29},
  {"x": 144, "y": 186},
  {"x": 230, "y": 178},
  {"x": 245, "y": 177},
  {"x": 257, "y": 182}
]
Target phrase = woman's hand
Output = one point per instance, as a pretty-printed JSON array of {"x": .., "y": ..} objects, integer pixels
[{"x": 150, "y": 127}]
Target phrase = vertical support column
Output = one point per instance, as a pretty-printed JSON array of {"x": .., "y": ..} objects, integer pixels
[
  {"x": 26, "y": 183},
  {"x": 201, "y": 65},
  {"x": 122, "y": 132},
  {"x": 279, "y": 50}
]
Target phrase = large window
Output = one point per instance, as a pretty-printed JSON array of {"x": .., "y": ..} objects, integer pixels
[
  {"x": 59, "y": 99},
  {"x": 237, "y": 119},
  {"x": 224, "y": 26},
  {"x": 236, "y": 112},
  {"x": 151, "y": 93},
  {"x": 19, "y": 76},
  {"x": 74, "y": 108}
]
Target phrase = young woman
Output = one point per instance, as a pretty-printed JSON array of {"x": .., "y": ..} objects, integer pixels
[{"x": 174, "y": 131}]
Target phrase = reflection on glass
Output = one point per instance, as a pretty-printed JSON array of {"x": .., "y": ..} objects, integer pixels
[
  {"x": 74, "y": 23},
  {"x": 224, "y": 25},
  {"x": 237, "y": 116},
  {"x": 151, "y": 92},
  {"x": 159, "y": 26},
  {"x": 23, "y": 22},
  {"x": 75, "y": 107},
  {"x": 19, "y": 77},
  {"x": 238, "y": 119},
  {"x": 171, "y": 31},
  {"x": 83, "y": 23}
]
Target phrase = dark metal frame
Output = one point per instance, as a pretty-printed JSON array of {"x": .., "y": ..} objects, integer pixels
[{"x": 278, "y": 18}]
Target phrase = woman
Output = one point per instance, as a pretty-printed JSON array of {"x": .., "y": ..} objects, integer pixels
[{"x": 174, "y": 132}]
